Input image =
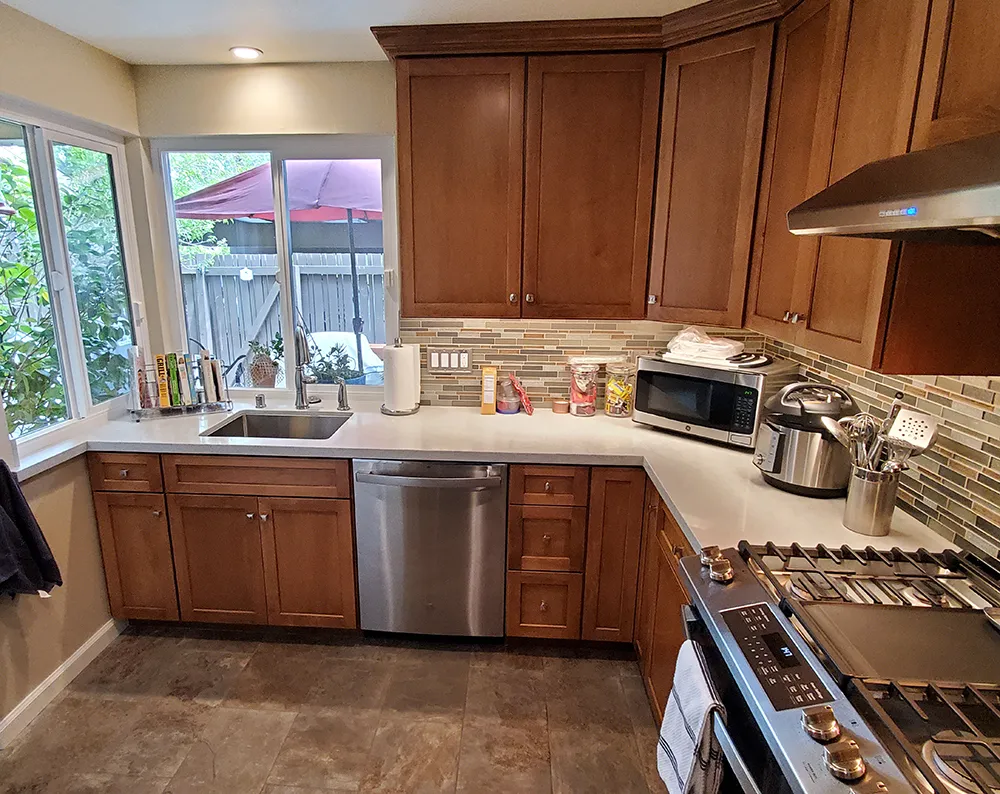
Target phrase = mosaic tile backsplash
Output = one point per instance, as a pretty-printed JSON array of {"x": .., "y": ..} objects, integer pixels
[{"x": 954, "y": 488}]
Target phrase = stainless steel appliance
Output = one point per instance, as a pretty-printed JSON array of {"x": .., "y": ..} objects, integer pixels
[
  {"x": 794, "y": 451},
  {"x": 949, "y": 193},
  {"x": 875, "y": 668},
  {"x": 431, "y": 543},
  {"x": 718, "y": 401}
]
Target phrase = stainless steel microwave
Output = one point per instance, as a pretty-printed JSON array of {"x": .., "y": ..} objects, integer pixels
[{"x": 721, "y": 403}]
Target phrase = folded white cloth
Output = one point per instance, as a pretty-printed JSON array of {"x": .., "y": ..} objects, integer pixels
[{"x": 688, "y": 757}]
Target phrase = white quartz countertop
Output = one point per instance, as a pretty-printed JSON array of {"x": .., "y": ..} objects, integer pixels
[{"x": 716, "y": 493}]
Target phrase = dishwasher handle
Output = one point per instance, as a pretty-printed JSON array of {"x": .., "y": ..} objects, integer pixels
[{"x": 459, "y": 483}]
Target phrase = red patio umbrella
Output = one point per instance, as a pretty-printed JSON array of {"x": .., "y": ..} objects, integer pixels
[{"x": 318, "y": 190}]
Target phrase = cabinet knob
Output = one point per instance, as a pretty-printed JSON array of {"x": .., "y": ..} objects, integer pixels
[
  {"x": 251, "y": 515},
  {"x": 124, "y": 472},
  {"x": 651, "y": 300},
  {"x": 796, "y": 317},
  {"x": 543, "y": 607},
  {"x": 156, "y": 513},
  {"x": 512, "y": 297},
  {"x": 548, "y": 486},
  {"x": 546, "y": 538},
  {"x": 530, "y": 297},
  {"x": 263, "y": 516},
  {"x": 678, "y": 552},
  {"x": 787, "y": 317}
]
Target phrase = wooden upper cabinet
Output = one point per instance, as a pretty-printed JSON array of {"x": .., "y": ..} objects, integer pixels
[
  {"x": 808, "y": 63},
  {"x": 590, "y": 153},
  {"x": 714, "y": 97},
  {"x": 460, "y": 142},
  {"x": 614, "y": 535},
  {"x": 844, "y": 292},
  {"x": 960, "y": 84}
]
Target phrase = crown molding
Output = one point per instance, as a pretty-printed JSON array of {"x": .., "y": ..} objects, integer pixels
[{"x": 577, "y": 35}]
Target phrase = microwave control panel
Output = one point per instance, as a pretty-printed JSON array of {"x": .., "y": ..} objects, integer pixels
[
  {"x": 744, "y": 410},
  {"x": 788, "y": 680}
]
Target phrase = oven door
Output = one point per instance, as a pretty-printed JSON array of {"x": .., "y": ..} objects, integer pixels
[{"x": 750, "y": 765}]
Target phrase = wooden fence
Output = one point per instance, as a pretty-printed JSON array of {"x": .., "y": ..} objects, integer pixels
[{"x": 225, "y": 311}]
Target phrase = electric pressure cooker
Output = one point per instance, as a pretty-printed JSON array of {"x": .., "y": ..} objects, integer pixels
[{"x": 794, "y": 452}]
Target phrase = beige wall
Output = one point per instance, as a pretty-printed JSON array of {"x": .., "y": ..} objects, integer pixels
[
  {"x": 37, "y": 635},
  {"x": 42, "y": 65},
  {"x": 266, "y": 99}
]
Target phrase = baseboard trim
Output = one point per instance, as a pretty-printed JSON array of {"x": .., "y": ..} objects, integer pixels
[{"x": 43, "y": 694}]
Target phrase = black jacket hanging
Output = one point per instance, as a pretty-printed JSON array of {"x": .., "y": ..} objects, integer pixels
[{"x": 26, "y": 561}]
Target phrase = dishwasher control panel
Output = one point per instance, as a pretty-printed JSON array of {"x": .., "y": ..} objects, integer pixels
[{"x": 787, "y": 679}]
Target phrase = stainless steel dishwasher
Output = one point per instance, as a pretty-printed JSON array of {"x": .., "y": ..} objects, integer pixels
[{"x": 432, "y": 543}]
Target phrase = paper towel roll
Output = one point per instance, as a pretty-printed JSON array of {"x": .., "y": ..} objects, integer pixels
[{"x": 402, "y": 377}]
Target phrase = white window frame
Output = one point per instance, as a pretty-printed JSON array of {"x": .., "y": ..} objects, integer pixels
[
  {"x": 286, "y": 147},
  {"x": 41, "y": 133}
]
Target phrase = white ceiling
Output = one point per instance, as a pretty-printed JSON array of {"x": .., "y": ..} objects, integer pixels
[{"x": 202, "y": 31}]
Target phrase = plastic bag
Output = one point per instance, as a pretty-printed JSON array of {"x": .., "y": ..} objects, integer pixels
[{"x": 692, "y": 342}]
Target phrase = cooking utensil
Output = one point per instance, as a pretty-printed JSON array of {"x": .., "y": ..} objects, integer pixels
[
  {"x": 834, "y": 428},
  {"x": 911, "y": 433},
  {"x": 894, "y": 408},
  {"x": 862, "y": 430}
]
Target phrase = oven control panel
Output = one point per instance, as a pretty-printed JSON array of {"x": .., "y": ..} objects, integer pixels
[{"x": 788, "y": 681}]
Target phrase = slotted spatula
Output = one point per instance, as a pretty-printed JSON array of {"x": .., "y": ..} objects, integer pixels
[{"x": 911, "y": 433}]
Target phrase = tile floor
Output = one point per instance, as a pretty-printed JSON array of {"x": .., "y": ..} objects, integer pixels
[{"x": 181, "y": 711}]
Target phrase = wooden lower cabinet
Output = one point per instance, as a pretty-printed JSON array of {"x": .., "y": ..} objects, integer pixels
[
  {"x": 218, "y": 556},
  {"x": 542, "y": 538},
  {"x": 659, "y": 631},
  {"x": 544, "y": 604},
  {"x": 138, "y": 565},
  {"x": 308, "y": 562},
  {"x": 614, "y": 535}
]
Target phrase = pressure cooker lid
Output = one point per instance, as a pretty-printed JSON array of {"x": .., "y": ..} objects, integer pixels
[{"x": 802, "y": 404}]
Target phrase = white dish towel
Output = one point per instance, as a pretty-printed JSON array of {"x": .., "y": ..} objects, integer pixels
[{"x": 688, "y": 757}]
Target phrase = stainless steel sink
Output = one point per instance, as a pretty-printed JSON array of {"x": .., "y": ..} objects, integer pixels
[{"x": 297, "y": 424}]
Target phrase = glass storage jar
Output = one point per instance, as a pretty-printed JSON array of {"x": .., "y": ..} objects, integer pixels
[{"x": 619, "y": 392}]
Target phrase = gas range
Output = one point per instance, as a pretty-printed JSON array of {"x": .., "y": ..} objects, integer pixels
[{"x": 874, "y": 668}]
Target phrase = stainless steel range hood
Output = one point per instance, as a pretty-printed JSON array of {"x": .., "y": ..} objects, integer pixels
[{"x": 949, "y": 193}]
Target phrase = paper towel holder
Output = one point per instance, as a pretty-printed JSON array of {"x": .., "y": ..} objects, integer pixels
[{"x": 405, "y": 412}]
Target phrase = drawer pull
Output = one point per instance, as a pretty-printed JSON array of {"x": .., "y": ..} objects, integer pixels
[
  {"x": 548, "y": 486},
  {"x": 251, "y": 515},
  {"x": 678, "y": 552},
  {"x": 124, "y": 473},
  {"x": 156, "y": 513},
  {"x": 263, "y": 516},
  {"x": 543, "y": 607}
]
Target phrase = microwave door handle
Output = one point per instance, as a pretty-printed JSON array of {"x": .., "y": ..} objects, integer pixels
[{"x": 736, "y": 763}]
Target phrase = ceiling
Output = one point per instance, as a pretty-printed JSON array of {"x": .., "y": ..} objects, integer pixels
[{"x": 202, "y": 31}]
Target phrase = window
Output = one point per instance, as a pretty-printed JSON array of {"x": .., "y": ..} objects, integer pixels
[
  {"x": 249, "y": 222},
  {"x": 34, "y": 393},
  {"x": 65, "y": 310}
]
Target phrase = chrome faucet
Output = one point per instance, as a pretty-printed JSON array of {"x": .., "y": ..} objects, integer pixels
[
  {"x": 342, "y": 403},
  {"x": 302, "y": 357}
]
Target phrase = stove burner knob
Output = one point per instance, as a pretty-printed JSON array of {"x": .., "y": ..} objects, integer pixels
[
  {"x": 820, "y": 723},
  {"x": 721, "y": 570},
  {"x": 844, "y": 760},
  {"x": 710, "y": 554}
]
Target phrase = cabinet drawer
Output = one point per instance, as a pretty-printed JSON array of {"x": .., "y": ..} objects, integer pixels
[
  {"x": 544, "y": 538},
  {"x": 544, "y": 604},
  {"x": 565, "y": 486},
  {"x": 114, "y": 471},
  {"x": 672, "y": 533},
  {"x": 231, "y": 474}
]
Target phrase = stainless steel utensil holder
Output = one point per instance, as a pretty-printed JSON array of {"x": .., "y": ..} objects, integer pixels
[{"x": 871, "y": 500}]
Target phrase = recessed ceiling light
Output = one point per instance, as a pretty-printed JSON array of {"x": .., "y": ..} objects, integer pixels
[{"x": 246, "y": 53}]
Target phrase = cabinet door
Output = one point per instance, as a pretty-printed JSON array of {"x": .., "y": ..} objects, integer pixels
[
  {"x": 714, "y": 97},
  {"x": 804, "y": 88},
  {"x": 217, "y": 552},
  {"x": 309, "y": 562},
  {"x": 460, "y": 185},
  {"x": 668, "y": 627},
  {"x": 647, "y": 576},
  {"x": 545, "y": 605},
  {"x": 543, "y": 538},
  {"x": 614, "y": 534},
  {"x": 846, "y": 284},
  {"x": 960, "y": 85},
  {"x": 589, "y": 158},
  {"x": 135, "y": 545}
]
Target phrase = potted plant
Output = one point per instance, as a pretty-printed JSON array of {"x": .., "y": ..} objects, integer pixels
[
  {"x": 265, "y": 361},
  {"x": 329, "y": 366}
]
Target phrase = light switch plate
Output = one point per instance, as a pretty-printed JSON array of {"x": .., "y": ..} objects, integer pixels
[{"x": 449, "y": 359}]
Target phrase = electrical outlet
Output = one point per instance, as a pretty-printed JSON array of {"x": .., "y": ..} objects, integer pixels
[{"x": 448, "y": 359}]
